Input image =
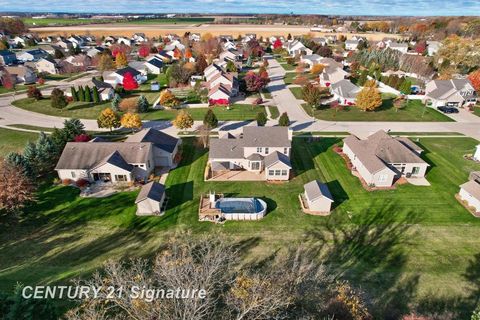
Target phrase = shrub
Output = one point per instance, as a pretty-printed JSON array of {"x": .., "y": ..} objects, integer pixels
[
  {"x": 66, "y": 182},
  {"x": 82, "y": 183},
  {"x": 261, "y": 119},
  {"x": 41, "y": 81},
  {"x": 128, "y": 105},
  {"x": 34, "y": 92},
  {"x": 58, "y": 99}
]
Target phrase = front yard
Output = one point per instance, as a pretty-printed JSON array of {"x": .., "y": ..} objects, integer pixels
[
  {"x": 14, "y": 141},
  {"x": 415, "y": 111},
  {"x": 415, "y": 242}
]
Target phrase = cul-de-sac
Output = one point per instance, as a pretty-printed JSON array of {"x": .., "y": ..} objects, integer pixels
[{"x": 296, "y": 160}]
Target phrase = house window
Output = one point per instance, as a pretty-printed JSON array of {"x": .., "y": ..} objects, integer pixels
[
  {"x": 285, "y": 150},
  {"x": 74, "y": 175},
  {"x": 148, "y": 163},
  {"x": 120, "y": 177},
  {"x": 416, "y": 170},
  {"x": 278, "y": 172},
  {"x": 284, "y": 172},
  {"x": 271, "y": 172},
  {"x": 255, "y": 165},
  {"x": 259, "y": 150},
  {"x": 266, "y": 150}
]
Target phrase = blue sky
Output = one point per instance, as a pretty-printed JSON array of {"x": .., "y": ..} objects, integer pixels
[{"x": 343, "y": 7}]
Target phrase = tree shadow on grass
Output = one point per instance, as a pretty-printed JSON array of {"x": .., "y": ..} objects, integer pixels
[
  {"x": 338, "y": 193},
  {"x": 370, "y": 251}
]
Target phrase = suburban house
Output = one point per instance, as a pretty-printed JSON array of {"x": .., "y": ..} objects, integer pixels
[
  {"x": 470, "y": 191},
  {"x": 125, "y": 41},
  {"x": 154, "y": 65},
  {"x": 134, "y": 159},
  {"x": 226, "y": 78},
  {"x": 318, "y": 198},
  {"x": 116, "y": 77},
  {"x": 381, "y": 159},
  {"x": 452, "y": 93},
  {"x": 296, "y": 47},
  {"x": 352, "y": 44},
  {"x": 64, "y": 44},
  {"x": 332, "y": 74},
  {"x": 7, "y": 57},
  {"x": 49, "y": 48},
  {"x": 139, "y": 37},
  {"x": 47, "y": 65},
  {"x": 94, "y": 51},
  {"x": 310, "y": 60},
  {"x": 150, "y": 199},
  {"x": 344, "y": 91},
  {"x": 105, "y": 89},
  {"x": 402, "y": 47},
  {"x": 22, "y": 74},
  {"x": 195, "y": 37},
  {"x": 263, "y": 151},
  {"x": 32, "y": 55},
  {"x": 211, "y": 71},
  {"x": 433, "y": 47}
]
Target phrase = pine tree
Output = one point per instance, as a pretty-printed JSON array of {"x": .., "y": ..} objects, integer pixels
[
  {"x": 261, "y": 119},
  {"x": 96, "y": 95},
  {"x": 116, "y": 102},
  {"x": 142, "y": 104},
  {"x": 19, "y": 161},
  {"x": 81, "y": 94},
  {"x": 210, "y": 120},
  {"x": 87, "y": 94},
  {"x": 31, "y": 157},
  {"x": 74, "y": 94},
  {"x": 284, "y": 121},
  {"x": 46, "y": 153}
]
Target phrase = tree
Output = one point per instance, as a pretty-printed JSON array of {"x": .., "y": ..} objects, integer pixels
[
  {"x": 183, "y": 120},
  {"x": 7, "y": 80},
  {"x": 325, "y": 51},
  {"x": 144, "y": 50},
  {"x": 131, "y": 121},
  {"x": 406, "y": 87},
  {"x": 231, "y": 67},
  {"x": 72, "y": 128},
  {"x": 116, "y": 102},
  {"x": 261, "y": 118},
  {"x": 82, "y": 138},
  {"x": 168, "y": 99},
  {"x": 121, "y": 60},
  {"x": 313, "y": 95},
  {"x": 277, "y": 44},
  {"x": 58, "y": 99},
  {"x": 16, "y": 190},
  {"x": 88, "y": 94},
  {"x": 108, "y": 119},
  {"x": 58, "y": 54},
  {"x": 34, "y": 92},
  {"x": 142, "y": 104},
  {"x": 19, "y": 161},
  {"x": 81, "y": 93},
  {"x": 17, "y": 307},
  {"x": 188, "y": 53},
  {"x": 129, "y": 82},
  {"x": 210, "y": 120},
  {"x": 105, "y": 62},
  {"x": 74, "y": 94},
  {"x": 474, "y": 78},
  {"x": 284, "y": 121},
  {"x": 317, "y": 69},
  {"x": 201, "y": 63},
  {"x": 369, "y": 99},
  {"x": 255, "y": 82},
  {"x": 46, "y": 154},
  {"x": 96, "y": 95},
  {"x": 421, "y": 47}
]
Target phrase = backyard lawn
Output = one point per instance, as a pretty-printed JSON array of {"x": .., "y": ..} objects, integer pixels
[
  {"x": 414, "y": 111},
  {"x": 14, "y": 141},
  {"x": 414, "y": 246}
]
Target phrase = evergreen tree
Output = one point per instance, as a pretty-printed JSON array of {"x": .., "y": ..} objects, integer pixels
[
  {"x": 88, "y": 94},
  {"x": 58, "y": 99},
  {"x": 17, "y": 160},
  {"x": 142, "y": 104},
  {"x": 96, "y": 95},
  {"x": 261, "y": 119},
  {"x": 284, "y": 121},
  {"x": 406, "y": 87},
  {"x": 47, "y": 153},
  {"x": 74, "y": 94},
  {"x": 16, "y": 307},
  {"x": 81, "y": 94},
  {"x": 30, "y": 154},
  {"x": 116, "y": 102},
  {"x": 72, "y": 128},
  {"x": 210, "y": 120}
]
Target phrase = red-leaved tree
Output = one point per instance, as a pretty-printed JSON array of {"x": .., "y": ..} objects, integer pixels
[
  {"x": 129, "y": 82},
  {"x": 474, "y": 78},
  {"x": 144, "y": 50},
  {"x": 82, "y": 138},
  {"x": 277, "y": 44}
]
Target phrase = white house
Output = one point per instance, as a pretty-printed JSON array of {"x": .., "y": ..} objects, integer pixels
[
  {"x": 212, "y": 71},
  {"x": 261, "y": 150},
  {"x": 154, "y": 65},
  {"x": 318, "y": 197},
  {"x": 402, "y": 47},
  {"x": 433, "y": 47},
  {"x": 452, "y": 93},
  {"x": 47, "y": 65},
  {"x": 344, "y": 91},
  {"x": 296, "y": 47},
  {"x": 381, "y": 159},
  {"x": 150, "y": 199},
  {"x": 352, "y": 45},
  {"x": 332, "y": 74},
  {"x": 470, "y": 191},
  {"x": 32, "y": 55}
]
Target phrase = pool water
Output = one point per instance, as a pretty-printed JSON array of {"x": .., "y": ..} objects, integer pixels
[{"x": 239, "y": 205}]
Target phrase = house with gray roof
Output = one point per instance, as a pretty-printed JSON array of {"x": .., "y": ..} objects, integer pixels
[
  {"x": 318, "y": 198},
  {"x": 381, "y": 159},
  {"x": 344, "y": 91},
  {"x": 150, "y": 199},
  {"x": 132, "y": 160},
  {"x": 451, "y": 93},
  {"x": 470, "y": 192},
  {"x": 261, "y": 150}
]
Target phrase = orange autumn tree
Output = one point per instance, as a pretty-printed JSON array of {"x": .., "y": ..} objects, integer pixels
[
  {"x": 369, "y": 99},
  {"x": 188, "y": 53},
  {"x": 474, "y": 78},
  {"x": 131, "y": 121}
]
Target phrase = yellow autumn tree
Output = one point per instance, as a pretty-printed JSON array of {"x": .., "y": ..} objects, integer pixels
[
  {"x": 369, "y": 99},
  {"x": 121, "y": 60},
  {"x": 183, "y": 120},
  {"x": 317, "y": 69},
  {"x": 131, "y": 121}
]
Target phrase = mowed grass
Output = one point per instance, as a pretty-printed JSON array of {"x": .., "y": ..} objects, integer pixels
[
  {"x": 476, "y": 111},
  {"x": 14, "y": 141},
  {"x": 414, "y": 111},
  {"x": 413, "y": 246},
  {"x": 236, "y": 112}
]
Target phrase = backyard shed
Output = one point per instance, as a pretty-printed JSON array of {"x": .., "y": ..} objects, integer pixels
[{"x": 150, "y": 199}]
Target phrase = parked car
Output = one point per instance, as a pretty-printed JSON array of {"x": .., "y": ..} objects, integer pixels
[{"x": 448, "y": 109}]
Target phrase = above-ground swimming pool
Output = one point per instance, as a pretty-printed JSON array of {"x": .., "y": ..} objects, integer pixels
[{"x": 242, "y": 208}]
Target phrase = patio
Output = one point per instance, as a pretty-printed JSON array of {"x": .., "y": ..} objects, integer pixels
[{"x": 237, "y": 175}]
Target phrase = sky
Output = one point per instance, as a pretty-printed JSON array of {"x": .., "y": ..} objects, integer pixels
[{"x": 339, "y": 7}]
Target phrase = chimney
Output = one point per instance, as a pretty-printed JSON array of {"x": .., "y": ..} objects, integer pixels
[{"x": 290, "y": 134}]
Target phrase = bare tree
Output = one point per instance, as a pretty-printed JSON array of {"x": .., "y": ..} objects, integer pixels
[
  {"x": 16, "y": 190},
  {"x": 204, "y": 135}
]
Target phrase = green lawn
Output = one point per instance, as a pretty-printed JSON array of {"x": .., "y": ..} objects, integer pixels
[
  {"x": 288, "y": 67},
  {"x": 14, "y": 141},
  {"x": 297, "y": 92},
  {"x": 414, "y": 111},
  {"x": 194, "y": 20},
  {"x": 476, "y": 111},
  {"x": 274, "y": 112},
  {"x": 62, "y": 21},
  {"x": 414, "y": 246},
  {"x": 237, "y": 112},
  {"x": 291, "y": 76}
]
